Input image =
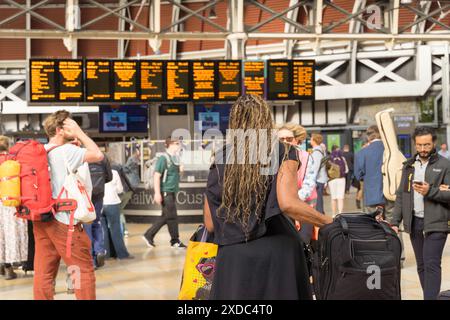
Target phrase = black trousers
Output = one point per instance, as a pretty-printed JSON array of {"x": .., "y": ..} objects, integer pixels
[
  {"x": 428, "y": 250},
  {"x": 169, "y": 217},
  {"x": 319, "y": 188}
]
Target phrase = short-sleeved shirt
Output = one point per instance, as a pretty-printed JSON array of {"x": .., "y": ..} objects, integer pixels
[
  {"x": 75, "y": 157},
  {"x": 172, "y": 179},
  {"x": 228, "y": 233}
]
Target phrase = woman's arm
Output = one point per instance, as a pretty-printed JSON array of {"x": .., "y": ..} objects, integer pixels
[
  {"x": 207, "y": 216},
  {"x": 288, "y": 199}
]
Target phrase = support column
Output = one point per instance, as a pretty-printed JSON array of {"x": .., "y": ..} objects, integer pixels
[
  {"x": 121, "y": 42},
  {"x": 237, "y": 37}
]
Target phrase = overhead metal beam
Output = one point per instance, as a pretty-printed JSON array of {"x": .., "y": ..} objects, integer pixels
[
  {"x": 178, "y": 21},
  {"x": 277, "y": 16},
  {"x": 267, "y": 9},
  {"x": 194, "y": 13},
  {"x": 350, "y": 17},
  {"x": 130, "y": 21},
  {"x": 35, "y": 14},
  {"x": 424, "y": 17},
  {"x": 26, "y": 11},
  {"x": 110, "y": 12},
  {"x": 112, "y": 35}
]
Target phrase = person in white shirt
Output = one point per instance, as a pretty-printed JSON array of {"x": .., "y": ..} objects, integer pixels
[
  {"x": 111, "y": 220},
  {"x": 444, "y": 151}
]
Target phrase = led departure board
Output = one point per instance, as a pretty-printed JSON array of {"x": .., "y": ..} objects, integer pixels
[
  {"x": 125, "y": 77},
  {"x": 278, "y": 80},
  {"x": 178, "y": 81},
  {"x": 203, "y": 80},
  {"x": 229, "y": 80},
  {"x": 70, "y": 80},
  {"x": 152, "y": 80},
  {"x": 303, "y": 79},
  {"x": 98, "y": 80},
  {"x": 254, "y": 77},
  {"x": 43, "y": 81}
]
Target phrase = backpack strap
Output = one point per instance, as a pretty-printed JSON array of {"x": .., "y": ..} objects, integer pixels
[
  {"x": 169, "y": 163},
  {"x": 70, "y": 234}
]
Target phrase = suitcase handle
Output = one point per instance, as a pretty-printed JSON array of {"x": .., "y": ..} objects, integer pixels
[{"x": 341, "y": 218}]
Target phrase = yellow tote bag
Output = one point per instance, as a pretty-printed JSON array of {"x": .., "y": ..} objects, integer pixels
[{"x": 198, "y": 267}]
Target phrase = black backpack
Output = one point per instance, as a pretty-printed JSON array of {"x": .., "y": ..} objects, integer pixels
[
  {"x": 357, "y": 258},
  {"x": 100, "y": 175}
]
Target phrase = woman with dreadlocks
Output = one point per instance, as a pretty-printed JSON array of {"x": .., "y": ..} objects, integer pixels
[{"x": 260, "y": 253}]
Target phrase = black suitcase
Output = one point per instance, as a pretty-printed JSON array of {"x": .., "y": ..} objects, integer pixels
[
  {"x": 357, "y": 258},
  {"x": 444, "y": 295}
]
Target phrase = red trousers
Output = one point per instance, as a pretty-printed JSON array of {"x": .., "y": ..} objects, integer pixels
[{"x": 51, "y": 238}]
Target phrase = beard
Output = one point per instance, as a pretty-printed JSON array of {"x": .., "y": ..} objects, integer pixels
[{"x": 426, "y": 154}]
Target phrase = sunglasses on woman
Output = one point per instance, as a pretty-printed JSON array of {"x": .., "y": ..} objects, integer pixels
[{"x": 287, "y": 139}]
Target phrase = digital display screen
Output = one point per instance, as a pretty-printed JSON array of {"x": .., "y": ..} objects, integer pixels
[
  {"x": 43, "y": 80},
  {"x": 152, "y": 80},
  {"x": 172, "y": 109},
  {"x": 178, "y": 81},
  {"x": 214, "y": 116},
  {"x": 254, "y": 77},
  {"x": 70, "y": 74},
  {"x": 229, "y": 80},
  {"x": 203, "y": 80},
  {"x": 133, "y": 81},
  {"x": 98, "y": 80},
  {"x": 303, "y": 79},
  {"x": 124, "y": 118},
  {"x": 278, "y": 80},
  {"x": 125, "y": 80}
]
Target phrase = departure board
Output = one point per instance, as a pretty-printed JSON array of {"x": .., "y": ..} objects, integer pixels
[
  {"x": 178, "y": 81},
  {"x": 70, "y": 80},
  {"x": 278, "y": 80},
  {"x": 43, "y": 81},
  {"x": 254, "y": 77},
  {"x": 303, "y": 79},
  {"x": 203, "y": 80},
  {"x": 152, "y": 80},
  {"x": 98, "y": 80},
  {"x": 229, "y": 80},
  {"x": 125, "y": 77}
]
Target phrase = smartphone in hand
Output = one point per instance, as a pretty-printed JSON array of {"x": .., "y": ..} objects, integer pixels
[{"x": 420, "y": 183}]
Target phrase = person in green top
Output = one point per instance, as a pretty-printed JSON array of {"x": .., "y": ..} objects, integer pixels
[{"x": 167, "y": 184}]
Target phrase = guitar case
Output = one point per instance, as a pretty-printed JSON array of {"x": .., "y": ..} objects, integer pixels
[{"x": 392, "y": 157}]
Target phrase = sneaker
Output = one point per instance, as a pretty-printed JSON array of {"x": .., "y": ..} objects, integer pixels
[
  {"x": 149, "y": 242},
  {"x": 100, "y": 260},
  {"x": 179, "y": 245},
  {"x": 125, "y": 234}
]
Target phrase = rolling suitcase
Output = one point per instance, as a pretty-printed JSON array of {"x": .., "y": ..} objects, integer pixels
[{"x": 358, "y": 258}]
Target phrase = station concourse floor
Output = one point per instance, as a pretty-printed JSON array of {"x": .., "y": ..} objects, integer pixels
[{"x": 155, "y": 273}]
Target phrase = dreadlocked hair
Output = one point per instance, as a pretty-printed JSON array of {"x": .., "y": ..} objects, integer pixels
[{"x": 244, "y": 187}]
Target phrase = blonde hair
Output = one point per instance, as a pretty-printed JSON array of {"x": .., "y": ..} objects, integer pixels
[
  {"x": 317, "y": 137},
  {"x": 297, "y": 130},
  {"x": 54, "y": 121},
  {"x": 4, "y": 143},
  {"x": 244, "y": 188}
]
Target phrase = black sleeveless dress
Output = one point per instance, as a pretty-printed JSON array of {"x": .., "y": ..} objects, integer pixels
[{"x": 268, "y": 263}]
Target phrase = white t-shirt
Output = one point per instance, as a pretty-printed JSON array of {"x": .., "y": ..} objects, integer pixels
[
  {"x": 112, "y": 190},
  {"x": 75, "y": 157}
]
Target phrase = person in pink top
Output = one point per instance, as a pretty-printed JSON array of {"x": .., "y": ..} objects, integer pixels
[{"x": 295, "y": 134}]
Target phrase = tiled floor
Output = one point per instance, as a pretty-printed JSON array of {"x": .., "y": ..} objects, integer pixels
[{"x": 156, "y": 273}]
